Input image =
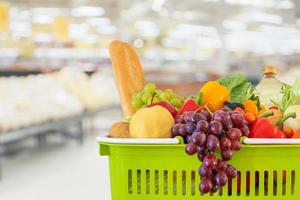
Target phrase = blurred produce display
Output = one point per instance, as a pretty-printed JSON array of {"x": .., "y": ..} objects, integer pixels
[
  {"x": 79, "y": 84},
  {"x": 40, "y": 98},
  {"x": 205, "y": 35}
]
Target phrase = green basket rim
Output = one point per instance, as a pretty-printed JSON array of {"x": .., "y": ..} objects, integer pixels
[{"x": 182, "y": 145}]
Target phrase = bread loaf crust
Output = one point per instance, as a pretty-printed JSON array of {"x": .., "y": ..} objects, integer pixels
[{"x": 128, "y": 72}]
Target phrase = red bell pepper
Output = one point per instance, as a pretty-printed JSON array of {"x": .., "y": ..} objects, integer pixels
[
  {"x": 188, "y": 105},
  {"x": 264, "y": 128}
]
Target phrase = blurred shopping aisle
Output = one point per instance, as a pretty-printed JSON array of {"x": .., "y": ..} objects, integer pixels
[{"x": 60, "y": 171}]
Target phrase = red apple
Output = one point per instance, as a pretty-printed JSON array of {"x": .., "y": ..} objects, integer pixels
[{"x": 167, "y": 106}]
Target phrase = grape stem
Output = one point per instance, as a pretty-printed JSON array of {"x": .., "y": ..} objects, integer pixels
[
  {"x": 153, "y": 97},
  {"x": 198, "y": 109},
  {"x": 205, "y": 106}
]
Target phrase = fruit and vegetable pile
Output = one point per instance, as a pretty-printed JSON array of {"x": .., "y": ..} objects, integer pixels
[{"x": 212, "y": 122}]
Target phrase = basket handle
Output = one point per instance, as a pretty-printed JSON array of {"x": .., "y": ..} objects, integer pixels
[{"x": 104, "y": 149}]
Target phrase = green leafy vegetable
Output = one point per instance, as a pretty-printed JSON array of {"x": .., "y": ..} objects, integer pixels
[
  {"x": 287, "y": 97},
  {"x": 296, "y": 90},
  {"x": 232, "y": 81},
  {"x": 197, "y": 97},
  {"x": 252, "y": 96},
  {"x": 291, "y": 95},
  {"x": 240, "y": 88}
]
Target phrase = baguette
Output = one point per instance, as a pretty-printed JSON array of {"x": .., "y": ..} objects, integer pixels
[{"x": 128, "y": 72}]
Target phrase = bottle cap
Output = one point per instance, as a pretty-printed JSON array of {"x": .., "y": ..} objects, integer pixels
[{"x": 270, "y": 69}]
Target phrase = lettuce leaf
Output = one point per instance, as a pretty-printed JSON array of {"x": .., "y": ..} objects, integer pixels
[
  {"x": 240, "y": 88},
  {"x": 232, "y": 81}
]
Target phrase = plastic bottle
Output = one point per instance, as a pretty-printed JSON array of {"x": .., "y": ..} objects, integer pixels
[{"x": 269, "y": 89}]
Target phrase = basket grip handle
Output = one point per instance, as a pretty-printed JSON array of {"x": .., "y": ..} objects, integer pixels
[{"x": 104, "y": 149}]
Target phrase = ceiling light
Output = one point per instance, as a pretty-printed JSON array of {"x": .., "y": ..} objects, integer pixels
[
  {"x": 43, "y": 37},
  {"x": 157, "y": 5},
  {"x": 98, "y": 21},
  {"x": 90, "y": 38},
  {"x": 87, "y": 11},
  {"x": 149, "y": 32},
  {"x": 269, "y": 40},
  {"x": 138, "y": 43},
  {"x": 187, "y": 15},
  {"x": 18, "y": 15},
  {"x": 78, "y": 30},
  {"x": 20, "y": 28},
  {"x": 147, "y": 28},
  {"x": 42, "y": 19},
  {"x": 282, "y": 4},
  {"x": 49, "y": 11},
  {"x": 191, "y": 29},
  {"x": 107, "y": 30},
  {"x": 141, "y": 24}
]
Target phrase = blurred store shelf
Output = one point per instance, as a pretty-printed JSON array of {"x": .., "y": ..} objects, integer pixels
[
  {"x": 225, "y": 35},
  {"x": 59, "y": 125},
  {"x": 38, "y": 105}
]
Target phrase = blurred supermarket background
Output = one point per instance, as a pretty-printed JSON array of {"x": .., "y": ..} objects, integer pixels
[{"x": 57, "y": 92}]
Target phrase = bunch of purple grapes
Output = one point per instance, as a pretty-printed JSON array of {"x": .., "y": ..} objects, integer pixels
[{"x": 206, "y": 133}]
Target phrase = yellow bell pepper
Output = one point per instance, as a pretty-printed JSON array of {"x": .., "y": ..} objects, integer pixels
[{"x": 214, "y": 95}]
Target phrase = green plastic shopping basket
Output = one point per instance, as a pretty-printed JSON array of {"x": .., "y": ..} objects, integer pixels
[{"x": 165, "y": 172}]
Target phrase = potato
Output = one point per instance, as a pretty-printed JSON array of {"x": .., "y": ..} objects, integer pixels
[{"x": 119, "y": 130}]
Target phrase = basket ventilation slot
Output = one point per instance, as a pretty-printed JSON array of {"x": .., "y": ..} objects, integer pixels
[{"x": 185, "y": 183}]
